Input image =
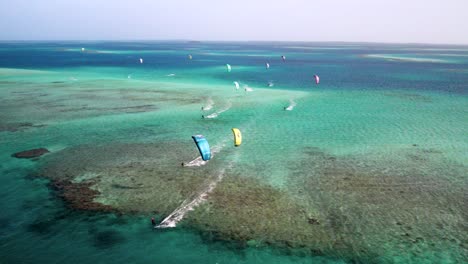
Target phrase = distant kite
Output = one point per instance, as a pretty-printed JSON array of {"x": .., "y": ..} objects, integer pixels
[{"x": 317, "y": 79}]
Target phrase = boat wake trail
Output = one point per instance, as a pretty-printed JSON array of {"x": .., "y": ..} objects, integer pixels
[{"x": 291, "y": 106}]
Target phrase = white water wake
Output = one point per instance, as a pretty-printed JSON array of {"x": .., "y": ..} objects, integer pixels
[
  {"x": 216, "y": 114},
  {"x": 213, "y": 115},
  {"x": 209, "y": 105},
  {"x": 195, "y": 163},
  {"x": 200, "y": 162},
  {"x": 291, "y": 106},
  {"x": 189, "y": 204},
  {"x": 406, "y": 59},
  {"x": 247, "y": 88}
]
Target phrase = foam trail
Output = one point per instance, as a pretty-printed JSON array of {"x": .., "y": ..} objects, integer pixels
[
  {"x": 291, "y": 106},
  {"x": 405, "y": 59},
  {"x": 228, "y": 106},
  {"x": 200, "y": 162},
  {"x": 213, "y": 115},
  {"x": 195, "y": 163},
  {"x": 216, "y": 114},
  {"x": 189, "y": 204},
  {"x": 171, "y": 75},
  {"x": 209, "y": 105},
  {"x": 247, "y": 88}
]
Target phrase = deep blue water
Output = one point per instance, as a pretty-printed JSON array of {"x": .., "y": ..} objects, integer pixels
[{"x": 340, "y": 65}]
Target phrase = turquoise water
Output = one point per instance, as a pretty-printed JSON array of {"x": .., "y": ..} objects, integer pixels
[{"x": 368, "y": 167}]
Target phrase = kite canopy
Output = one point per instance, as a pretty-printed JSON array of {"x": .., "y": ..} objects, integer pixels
[
  {"x": 237, "y": 137},
  {"x": 317, "y": 79},
  {"x": 203, "y": 147}
]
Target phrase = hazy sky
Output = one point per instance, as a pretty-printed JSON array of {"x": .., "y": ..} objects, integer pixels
[{"x": 423, "y": 21}]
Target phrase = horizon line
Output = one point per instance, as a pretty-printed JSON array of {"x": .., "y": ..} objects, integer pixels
[{"x": 232, "y": 41}]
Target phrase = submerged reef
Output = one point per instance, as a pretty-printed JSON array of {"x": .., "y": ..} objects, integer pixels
[
  {"x": 32, "y": 153},
  {"x": 17, "y": 127},
  {"x": 79, "y": 195},
  {"x": 355, "y": 207}
]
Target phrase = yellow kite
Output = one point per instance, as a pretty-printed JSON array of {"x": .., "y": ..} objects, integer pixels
[{"x": 237, "y": 137}]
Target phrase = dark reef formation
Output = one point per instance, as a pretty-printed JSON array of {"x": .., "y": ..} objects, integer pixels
[
  {"x": 17, "y": 127},
  {"x": 32, "y": 153},
  {"x": 79, "y": 195},
  {"x": 356, "y": 207}
]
